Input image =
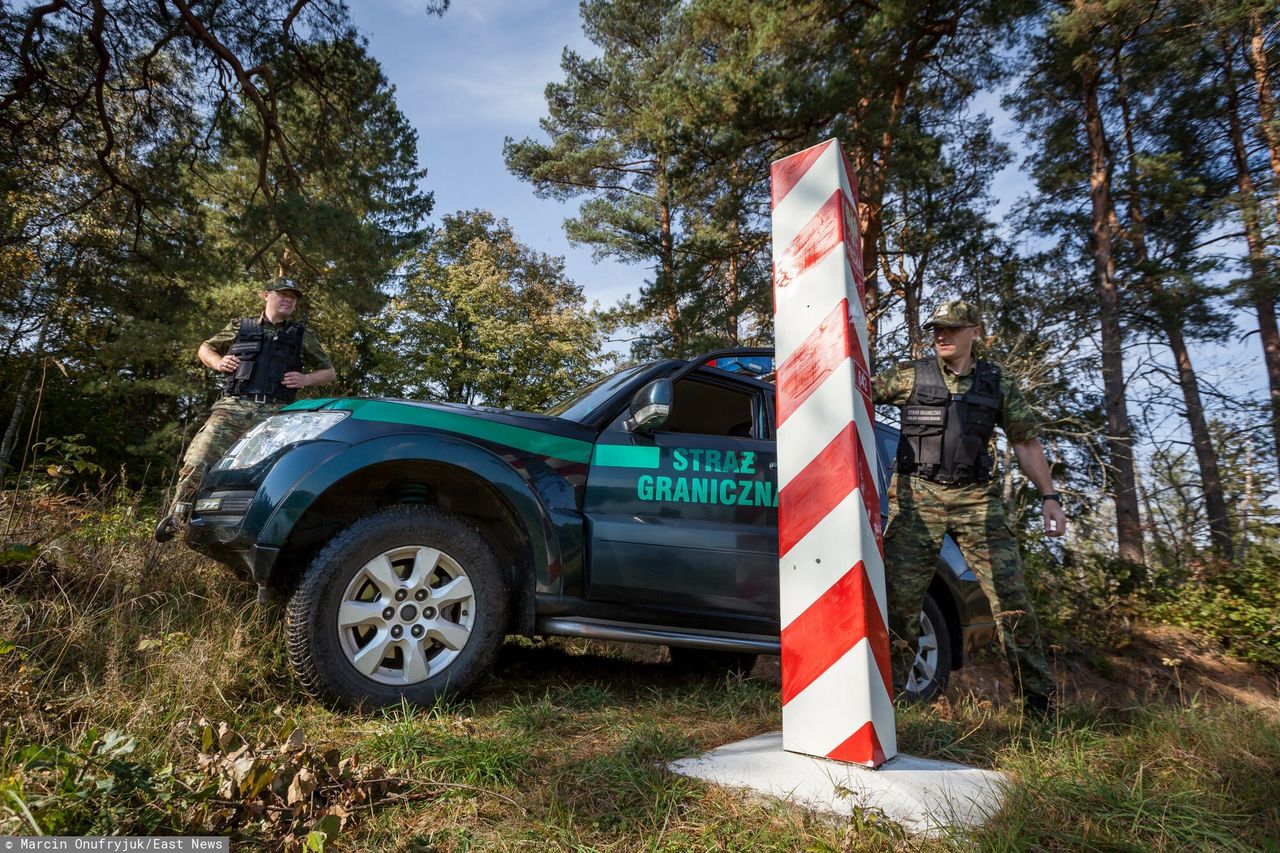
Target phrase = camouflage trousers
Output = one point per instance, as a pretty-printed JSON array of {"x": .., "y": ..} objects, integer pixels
[
  {"x": 230, "y": 418},
  {"x": 920, "y": 513}
]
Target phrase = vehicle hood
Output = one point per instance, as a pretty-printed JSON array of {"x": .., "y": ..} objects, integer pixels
[{"x": 526, "y": 431}]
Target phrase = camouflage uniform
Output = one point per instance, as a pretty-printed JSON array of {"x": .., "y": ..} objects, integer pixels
[
  {"x": 922, "y": 511},
  {"x": 232, "y": 417}
]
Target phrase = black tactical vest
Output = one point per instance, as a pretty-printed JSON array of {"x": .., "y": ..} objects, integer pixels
[
  {"x": 264, "y": 360},
  {"x": 945, "y": 436}
]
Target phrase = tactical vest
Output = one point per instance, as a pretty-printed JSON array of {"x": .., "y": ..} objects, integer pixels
[
  {"x": 945, "y": 436},
  {"x": 265, "y": 360}
]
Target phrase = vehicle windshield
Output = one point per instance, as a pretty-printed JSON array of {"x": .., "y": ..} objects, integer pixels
[{"x": 581, "y": 403}]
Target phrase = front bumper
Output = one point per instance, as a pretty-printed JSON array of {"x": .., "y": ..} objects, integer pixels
[
  {"x": 250, "y": 502},
  {"x": 224, "y": 537}
]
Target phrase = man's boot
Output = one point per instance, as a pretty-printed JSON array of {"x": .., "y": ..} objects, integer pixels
[
  {"x": 172, "y": 523},
  {"x": 1041, "y": 705}
]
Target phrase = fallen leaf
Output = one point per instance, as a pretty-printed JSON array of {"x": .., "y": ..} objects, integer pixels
[
  {"x": 296, "y": 740},
  {"x": 302, "y": 787}
]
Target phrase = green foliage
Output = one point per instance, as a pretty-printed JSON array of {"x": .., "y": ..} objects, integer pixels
[
  {"x": 122, "y": 263},
  {"x": 482, "y": 318},
  {"x": 16, "y": 553},
  {"x": 66, "y": 457},
  {"x": 647, "y": 131},
  {"x": 527, "y": 714},
  {"x": 479, "y": 760},
  {"x": 669, "y": 133},
  {"x": 97, "y": 786},
  {"x": 106, "y": 523},
  {"x": 566, "y": 750},
  {"x": 1239, "y": 605},
  {"x": 1082, "y": 600},
  {"x": 403, "y": 737}
]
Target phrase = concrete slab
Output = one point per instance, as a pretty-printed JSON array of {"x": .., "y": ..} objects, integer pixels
[{"x": 923, "y": 795}]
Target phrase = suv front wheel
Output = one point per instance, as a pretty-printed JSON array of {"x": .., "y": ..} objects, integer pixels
[{"x": 406, "y": 603}]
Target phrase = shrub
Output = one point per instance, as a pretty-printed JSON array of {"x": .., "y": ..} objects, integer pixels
[{"x": 1237, "y": 605}]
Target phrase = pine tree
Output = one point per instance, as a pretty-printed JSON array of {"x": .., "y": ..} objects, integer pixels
[
  {"x": 1062, "y": 106},
  {"x": 1168, "y": 184}
]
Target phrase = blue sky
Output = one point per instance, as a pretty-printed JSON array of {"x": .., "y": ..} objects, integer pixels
[{"x": 466, "y": 81}]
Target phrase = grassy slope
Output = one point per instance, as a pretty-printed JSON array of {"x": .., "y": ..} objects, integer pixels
[{"x": 562, "y": 748}]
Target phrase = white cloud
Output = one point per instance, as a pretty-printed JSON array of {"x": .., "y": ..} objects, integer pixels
[{"x": 484, "y": 61}]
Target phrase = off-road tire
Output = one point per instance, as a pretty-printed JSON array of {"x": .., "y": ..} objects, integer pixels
[{"x": 313, "y": 639}]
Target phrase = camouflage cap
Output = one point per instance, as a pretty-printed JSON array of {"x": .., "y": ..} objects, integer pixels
[
  {"x": 284, "y": 284},
  {"x": 955, "y": 315}
]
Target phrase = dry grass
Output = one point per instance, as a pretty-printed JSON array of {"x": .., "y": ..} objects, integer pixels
[{"x": 564, "y": 746}]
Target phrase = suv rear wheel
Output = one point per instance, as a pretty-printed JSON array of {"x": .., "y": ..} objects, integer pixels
[
  {"x": 406, "y": 603},
  {"x": 932, "y": 666}
]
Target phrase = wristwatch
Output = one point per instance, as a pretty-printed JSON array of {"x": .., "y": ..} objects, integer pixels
[{"x": 1054, "y": 496}]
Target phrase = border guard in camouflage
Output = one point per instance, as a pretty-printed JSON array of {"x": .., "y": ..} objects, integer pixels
[
  {"x": 951, "y": 405},
  {"x": 263, "y": 358}
]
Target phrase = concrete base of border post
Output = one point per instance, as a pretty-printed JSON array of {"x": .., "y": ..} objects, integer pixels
[{"x": 924, "y": 796}]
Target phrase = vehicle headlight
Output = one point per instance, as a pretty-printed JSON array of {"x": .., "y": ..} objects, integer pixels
[{"x": 275, "y": 433}]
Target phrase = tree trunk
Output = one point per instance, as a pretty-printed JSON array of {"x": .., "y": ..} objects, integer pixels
[
  {"x": 666, "y": 284},
  {"x": 1171, "y": 324},
  {"x": 1262, "y": 289},
  {"x": 912, "y": 286},
  {"x": 20, "y": 401},
  {"x": 1246, "y": 497},
  {"x": 1008, "y": 483},
  {"x": 1163, "y": 552},
  {"x": 911, "y": 316},
  {"x": 1266, "y": 99},
  {"x": 731, "y": 296},
  {"x": 869, "y": 216},
  {"x": 1206, "y": 455},
  {"x": 734, "y": 288},
  {"x": 1120, "y": 434}
]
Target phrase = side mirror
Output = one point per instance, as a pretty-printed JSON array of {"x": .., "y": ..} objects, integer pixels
[{"x": 650, "y": 407}]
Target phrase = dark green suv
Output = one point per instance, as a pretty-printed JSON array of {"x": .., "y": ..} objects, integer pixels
[{"x": 412, "y": 537}]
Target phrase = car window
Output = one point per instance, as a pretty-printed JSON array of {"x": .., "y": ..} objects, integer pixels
[
  {"x": 707, "y": 408},
  {"x": 581, "y": 403}
]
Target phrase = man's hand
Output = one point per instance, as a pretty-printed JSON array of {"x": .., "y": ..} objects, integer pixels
[
  {"x": 228, "y": 364},
  {"x": 294, "y": 379},
  {"x": 1031, "y": 459},
  {"x": 1055, "y": 520}
]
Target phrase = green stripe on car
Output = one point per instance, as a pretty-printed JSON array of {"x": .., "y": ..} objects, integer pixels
[
  {"x": 625, "y": 456},
  {"x": 533, "y": 441}
]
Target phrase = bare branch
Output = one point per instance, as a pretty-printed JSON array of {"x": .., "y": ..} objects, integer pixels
[
  {"x": 30, "y": 74},
  {"x": 100, "y": 103},
  {"x": 266, "y": 106}
]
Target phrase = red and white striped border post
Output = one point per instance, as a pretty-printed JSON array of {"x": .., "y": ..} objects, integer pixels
[{"x": 836, "y": 680}]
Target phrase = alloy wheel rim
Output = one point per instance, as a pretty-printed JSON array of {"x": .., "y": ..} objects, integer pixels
[
  {"x": 925, "y": 667},
  {"x": 406, "y": 615}
]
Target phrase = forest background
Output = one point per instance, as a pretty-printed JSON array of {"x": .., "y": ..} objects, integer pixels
[{"x": 159, "y": 160}]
